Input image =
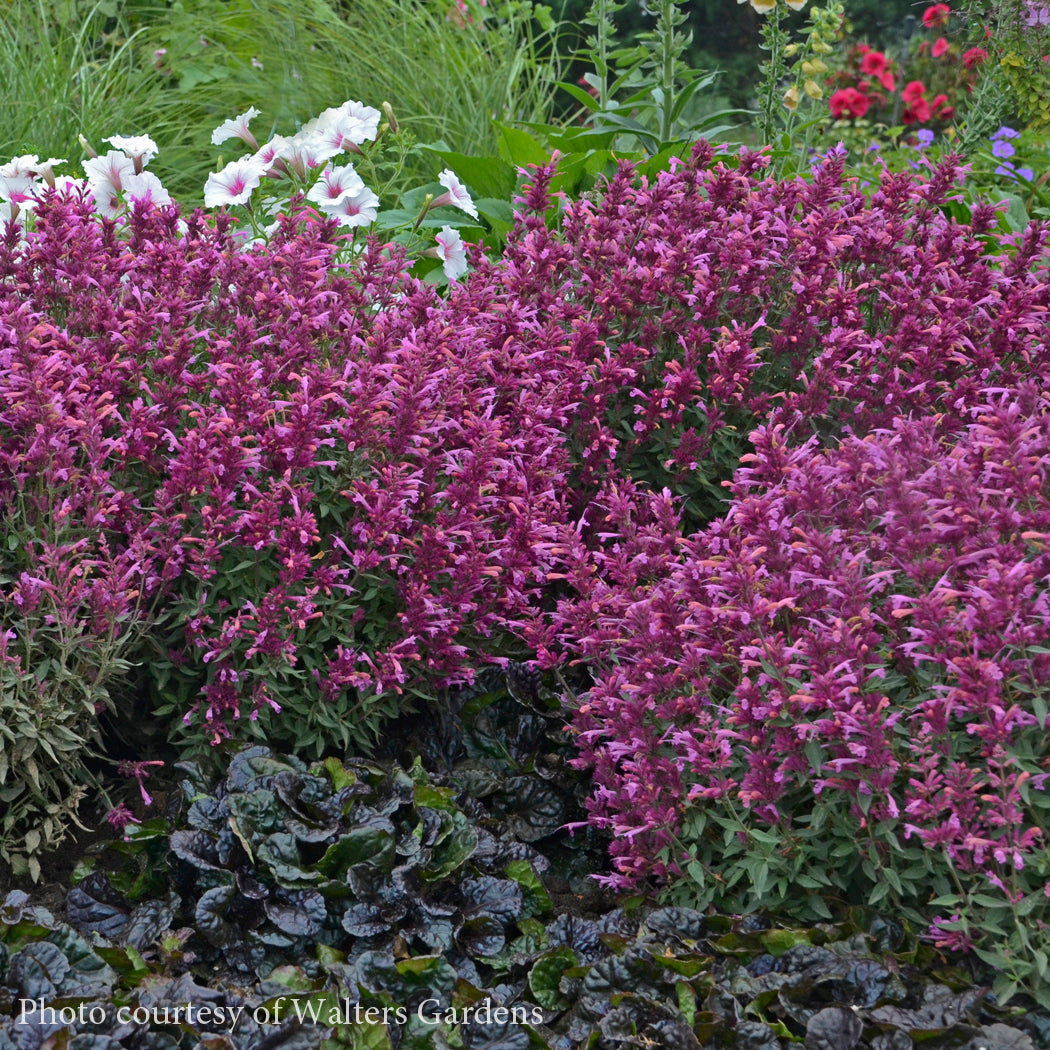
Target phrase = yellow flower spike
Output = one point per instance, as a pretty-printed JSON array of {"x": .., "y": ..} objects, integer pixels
[
  {"x": 814, "y": 67},
  {"x": 813, "y": 89},
  {"x": 791, "y": 97}
]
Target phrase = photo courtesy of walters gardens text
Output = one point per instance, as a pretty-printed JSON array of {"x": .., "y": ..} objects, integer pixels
[{"x": 275, "y": 1012}]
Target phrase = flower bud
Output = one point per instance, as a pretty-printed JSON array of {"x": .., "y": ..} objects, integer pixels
[
  {"x": 87, "y": 147},
  {"x": 813, "y": 89},
  {"x": 388, "y": 112}
]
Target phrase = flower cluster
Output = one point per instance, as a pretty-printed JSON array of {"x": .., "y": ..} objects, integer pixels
[
  {"x": 318, "y": 487},
  {"x": 930, "y": 86}
]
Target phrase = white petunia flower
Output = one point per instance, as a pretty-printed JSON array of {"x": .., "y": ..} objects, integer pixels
[
  {"x": 305, "y": 151},
  {"x": 20, "y": 189},
  {"x": 144, "y": 190},
  {"x": 140, "y": 148},
  {"x": 106, "y": 177},
  {"x": 21, "y": 167},
  {"x": 234, "y": 184},
  {"x": 457, "y": 194},
  {"x": 360, "y": 209},
  {"x": 236, "y": 128},
  {"x": 347, "y": 125},
  {"x": 334, "y": 185},
  {"x": 451, "y": 252}
]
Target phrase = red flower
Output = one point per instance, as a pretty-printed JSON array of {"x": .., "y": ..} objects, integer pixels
[
  {"x": 936, "y": 16},
  {"x": 940, "y": 45},
  {"x": 917, "y": 113},
  {"x": 914, "y": 91},
  {"x": 848, "y": 102},
  {"x": 874, "y": 62},
  {"x": 974, "y": 57}
]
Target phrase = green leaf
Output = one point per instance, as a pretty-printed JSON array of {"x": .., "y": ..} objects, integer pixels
[
  {"x": 545, "y": 977},
  {"x": 487, "y": 176}
]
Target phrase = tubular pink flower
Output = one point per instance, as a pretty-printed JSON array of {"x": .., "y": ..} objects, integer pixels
[
  {"x": 456, "y": 194},
  {"x": 236, "y": 127},
  {"x": 335, "y": 185},
  {"x": 451, "y": 252},
  {"x": 234, "y": 184}
]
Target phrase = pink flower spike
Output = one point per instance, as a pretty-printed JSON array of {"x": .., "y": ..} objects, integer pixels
[
  {"x": 237, "y": 127},
  {"x": 234, "y": 184},
  {"x": 457, "y": 194}
]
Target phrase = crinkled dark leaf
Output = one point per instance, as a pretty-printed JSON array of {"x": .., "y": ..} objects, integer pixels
[
  {"x": 477, "y": 779},
  {"x": 88, "y": 972},
  {"x": 755, "y": 1035},
  {"x": 492, "y": 1036},
  {"x": 208, "y": 813},
  {"x": 895, "y": 1040},
  {"x": 197, "y": 848},
  {"x": 436, "y": 934},
  {"x": 675, "y": 924},
  {"x": 93, "y": 1041},
  {"x": 251, "y": 887},
  {"x": 888, "y": 934},
  {"x": 481, "y": 936},
  {"x": 580, "y": 934},
  {"x": 302, "y": 793},
  {"x": 95, "y": 907},
  {"x": 644, "y": 1023},
  {"x": 940, "y": 1009},
  {"x": 374, "y": 846},
  {"x": 457, "y": 845},
  {"x": 620, "y": 973},
  {"x": 38, "y": 970},
  {"x": 14, "y": 906},
  {"x": 491, "y": 896},
  {"x": 834, "y": 1028},
  {"x": 365, "y": 920},
  {"x": 376, "y": 885},
  {"x": 257, "y": 812},
  {"x": 1001, "y": 1037},
  {"x": 298, "y": 913},
  {"x": 535, "y": 898},
  {"x": 254, "y": 763},
  {"x": 533, "y": 808},
  {"x": 280, "y": 854},
  {"x": 805, "y": 956},
  {"x": 211, "y": 916},
  {"x": 148, "y": 921}
]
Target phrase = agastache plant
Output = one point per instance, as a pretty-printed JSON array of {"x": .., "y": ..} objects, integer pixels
[{"x": 304, "y": 490}]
